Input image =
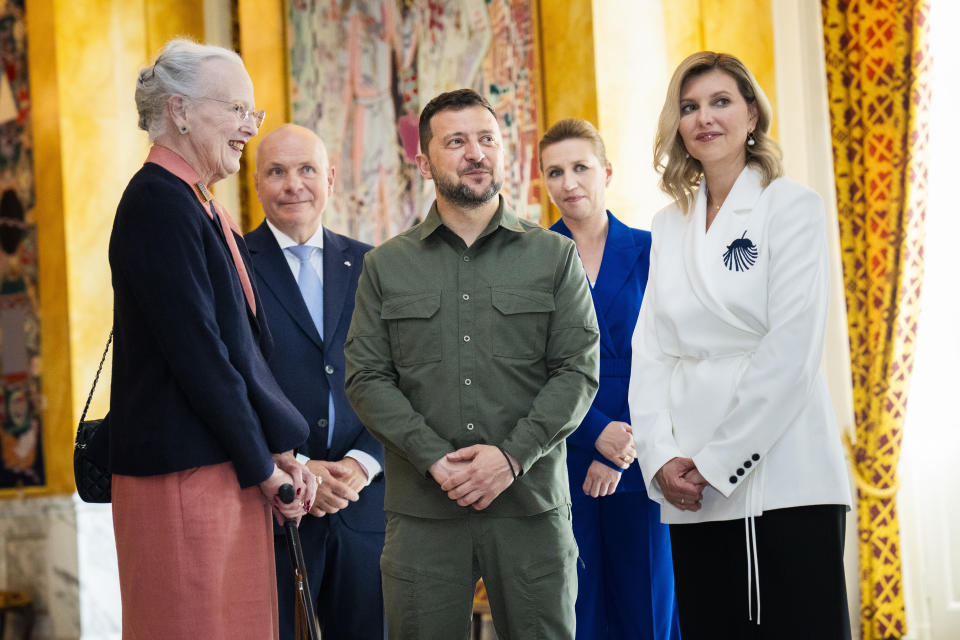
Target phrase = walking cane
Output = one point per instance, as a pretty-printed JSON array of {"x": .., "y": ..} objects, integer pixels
[{"x": 305, "y": 618}]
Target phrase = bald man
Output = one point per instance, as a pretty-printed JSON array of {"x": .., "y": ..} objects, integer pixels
[{"x": 307, "y": 278}]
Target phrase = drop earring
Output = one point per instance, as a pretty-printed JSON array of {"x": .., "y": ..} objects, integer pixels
[{"x": 750, "y": 139}]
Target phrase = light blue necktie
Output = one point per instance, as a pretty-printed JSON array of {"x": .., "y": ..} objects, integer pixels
[{"x": 311, "y": 288}]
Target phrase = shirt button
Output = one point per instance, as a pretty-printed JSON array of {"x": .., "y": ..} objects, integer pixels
[
  {"x": 466, "y": 296},
  {"x": 740, "y": 472},
  {"x": 466, "y": 338},
  {"x": 469, "y": 426},
  {"x": 733, "y": 479},
  {"x": 747, "y": 464},
  {"x": 328, "y": 369},
  {"x": 466, "y": 258},
  {"x": 467, "y": 382},
  {"x": 322, "y": 423},
  {"x": 755, "y": 457}
]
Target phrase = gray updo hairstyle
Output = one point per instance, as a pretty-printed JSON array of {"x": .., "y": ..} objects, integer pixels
[{"x": 176, "y": 72}]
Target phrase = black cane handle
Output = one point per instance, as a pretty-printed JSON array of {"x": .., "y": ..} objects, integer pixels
[{"x": 285, "y": 493}]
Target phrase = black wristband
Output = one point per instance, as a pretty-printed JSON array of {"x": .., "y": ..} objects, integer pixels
[{"x": 509, "y": 464}]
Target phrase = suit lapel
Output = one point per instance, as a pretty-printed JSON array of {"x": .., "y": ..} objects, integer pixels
[
  {"x": 338, "y": 264},
  {"x": 700, "y": 258},
  {"x": 274, "y": 270},
  {"x": 600, "y": 303},
  {"x": 620, "y": 255}
]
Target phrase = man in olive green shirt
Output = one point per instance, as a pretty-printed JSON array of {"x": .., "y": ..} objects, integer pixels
[{"x": 472, "y": 354}]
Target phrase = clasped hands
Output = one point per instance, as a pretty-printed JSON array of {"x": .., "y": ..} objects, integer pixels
[
  {"x": 615, "y": 443},
  {"x": 287, "y": 470},
  {"x": 475, "y": 475},
  {"x": 681, "y": 483}
]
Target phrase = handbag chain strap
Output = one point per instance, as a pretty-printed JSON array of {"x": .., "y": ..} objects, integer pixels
[{"x": 103, "y": 359}]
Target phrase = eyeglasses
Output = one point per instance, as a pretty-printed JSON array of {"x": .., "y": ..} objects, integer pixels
[{"x": 242, "y": 112}]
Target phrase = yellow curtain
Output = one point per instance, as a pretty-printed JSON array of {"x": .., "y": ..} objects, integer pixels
[{"x": 877, "y": 63}]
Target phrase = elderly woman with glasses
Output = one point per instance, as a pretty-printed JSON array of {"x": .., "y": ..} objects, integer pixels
[{"x": 201, "y": 435}]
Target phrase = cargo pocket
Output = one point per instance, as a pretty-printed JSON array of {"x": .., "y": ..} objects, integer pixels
[
  {"x": 414, "y": 324},
  {"x": 549, "y": 588},
  {"x": 520, "y": 324}
]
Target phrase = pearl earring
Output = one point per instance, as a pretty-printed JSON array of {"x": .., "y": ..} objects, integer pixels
[
  {"x": 750, "y": 139},
  {"x": 183, "y": 129}
]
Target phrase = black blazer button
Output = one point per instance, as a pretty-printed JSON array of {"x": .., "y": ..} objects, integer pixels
[
  {"x": 747, "y": 464},
  {"x": 733, "y": 479},
  {"x": 740, "y": 472},
  {"x": 755, "y": 457}
]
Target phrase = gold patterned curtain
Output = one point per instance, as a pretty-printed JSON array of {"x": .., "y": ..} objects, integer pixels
[{"x": 878, "y": 62}]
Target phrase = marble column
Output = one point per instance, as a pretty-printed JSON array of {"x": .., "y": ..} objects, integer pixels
[{"x": 60, "y": 550}]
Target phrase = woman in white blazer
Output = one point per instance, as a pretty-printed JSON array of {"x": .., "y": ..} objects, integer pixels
[{"x": 733, "y": 424}]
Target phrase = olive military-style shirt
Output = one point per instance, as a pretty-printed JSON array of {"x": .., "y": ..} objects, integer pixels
[{"x": 449, "y": 346}]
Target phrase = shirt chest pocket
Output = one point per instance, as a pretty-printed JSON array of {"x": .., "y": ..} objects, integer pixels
[
  {"x": 414, "y": 324},
  {"x": 520, "y": 322}
]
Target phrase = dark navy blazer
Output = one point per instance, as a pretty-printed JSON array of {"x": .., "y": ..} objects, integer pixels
[
  {"x": 308, "y": 367},
  {"x": 616, "y": 299},
  {"x": 191, "y": 386}
]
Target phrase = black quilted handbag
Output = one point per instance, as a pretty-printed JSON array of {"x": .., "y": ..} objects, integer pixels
[{"x": 91, "y": 452}]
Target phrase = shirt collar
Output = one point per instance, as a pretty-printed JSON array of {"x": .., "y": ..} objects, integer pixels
[
  {"x": 316, "y": 240},
  {"x": 504, "y": 217}
]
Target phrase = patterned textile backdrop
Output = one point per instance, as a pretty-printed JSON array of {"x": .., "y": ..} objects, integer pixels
[
  {"x": 361, "y": 70},
  {"x": 877, "y": 75},
  {"x": 21, "y": 458}
]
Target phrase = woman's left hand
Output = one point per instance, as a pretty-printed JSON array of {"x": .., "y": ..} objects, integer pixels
[
  {"x": 601, "y": 480},
  {"x": 615, "y": 443}
]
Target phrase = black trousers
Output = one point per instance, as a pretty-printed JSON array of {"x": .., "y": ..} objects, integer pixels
[{"x": 799, "y": 565}]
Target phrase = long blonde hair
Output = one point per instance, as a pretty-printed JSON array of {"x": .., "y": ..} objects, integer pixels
[{"x": 680, "y": 172}]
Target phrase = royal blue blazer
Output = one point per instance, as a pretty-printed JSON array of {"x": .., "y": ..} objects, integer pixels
[
  {"x": 191, "y": 386},
  {"x": 616, "y": 299},
  {"x": 309, "y": 368}
]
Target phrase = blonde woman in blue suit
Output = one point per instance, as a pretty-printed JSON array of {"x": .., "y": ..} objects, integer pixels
[
  {"x": 733, "y": 424},
  {"x": 625, "y": 577}
]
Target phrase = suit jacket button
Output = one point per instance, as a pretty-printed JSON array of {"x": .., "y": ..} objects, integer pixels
[
  {"x": 733, "y": 479},
  {"x": 740, "y": 472},
  {"x": 328, "y": 369},
  {"x": 755, "y": 457},
  {"x": 747, "y": 464},
  {"x": 322, "y": 423}
]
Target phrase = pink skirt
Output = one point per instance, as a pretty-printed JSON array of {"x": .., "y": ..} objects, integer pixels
[{"x": 195, "y": 556}]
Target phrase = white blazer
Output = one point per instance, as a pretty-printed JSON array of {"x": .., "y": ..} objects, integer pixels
[{"x": 727, "y": 350}]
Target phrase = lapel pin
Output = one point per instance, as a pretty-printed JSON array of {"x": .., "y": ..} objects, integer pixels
[{"x": 347, "y": 263}]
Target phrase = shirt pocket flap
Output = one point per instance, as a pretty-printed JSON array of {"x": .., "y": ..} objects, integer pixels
[
  {"x": 413, "y": 305},
  {"x": 513, "y": 301}
]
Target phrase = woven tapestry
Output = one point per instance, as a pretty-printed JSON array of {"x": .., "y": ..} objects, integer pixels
[
  {"x": 362, "y": 70},
  {"x": 877, "y": 64},
  {"x": 21, "y": 458}
]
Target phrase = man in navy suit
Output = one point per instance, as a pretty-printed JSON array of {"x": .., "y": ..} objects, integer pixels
[{"x": 307, "y": 277}]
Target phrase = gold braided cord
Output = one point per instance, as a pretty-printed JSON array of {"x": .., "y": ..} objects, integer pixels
[
  {"x": 863, "y": 485},
  {"x": 877, "y": 77}
]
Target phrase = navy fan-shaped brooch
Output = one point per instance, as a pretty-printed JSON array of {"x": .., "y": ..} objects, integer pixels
[{"x": 740, "y": 254}]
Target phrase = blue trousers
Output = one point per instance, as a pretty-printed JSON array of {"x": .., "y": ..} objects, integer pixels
[
  {"x": 625, "y": 571},
  {"x": 343, "y": 569}
]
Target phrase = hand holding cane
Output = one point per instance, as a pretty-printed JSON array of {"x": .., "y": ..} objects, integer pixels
[{"x": 305, "y": 618}]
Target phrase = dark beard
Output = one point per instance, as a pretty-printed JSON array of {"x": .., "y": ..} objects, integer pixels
[{"x": 462, "y": 195}]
